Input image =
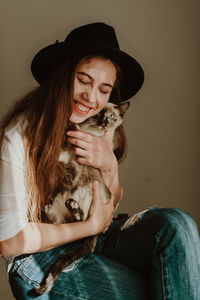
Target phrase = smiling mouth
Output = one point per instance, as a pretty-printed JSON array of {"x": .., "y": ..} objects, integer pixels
[{"x": 81, "y": 108}]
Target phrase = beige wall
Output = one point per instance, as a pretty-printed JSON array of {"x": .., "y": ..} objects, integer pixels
[{"x": 163, "y": 166}]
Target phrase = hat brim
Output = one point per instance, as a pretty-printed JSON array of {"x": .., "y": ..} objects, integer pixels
[{"x": 47, "y": 58}]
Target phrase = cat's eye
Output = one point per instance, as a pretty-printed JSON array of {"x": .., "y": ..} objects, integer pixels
[{"x": 111, "y": 116}]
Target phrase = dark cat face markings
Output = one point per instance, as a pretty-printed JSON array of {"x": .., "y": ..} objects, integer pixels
[{"x": 110, "y": 116}]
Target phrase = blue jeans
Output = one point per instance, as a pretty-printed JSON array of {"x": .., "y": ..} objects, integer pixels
[{"x": 155, "y": 255}]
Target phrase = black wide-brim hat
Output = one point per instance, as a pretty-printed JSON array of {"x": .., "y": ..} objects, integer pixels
[{"x": 98, "y": 39}]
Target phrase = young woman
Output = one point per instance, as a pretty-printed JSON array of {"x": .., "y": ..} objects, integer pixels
[{"x": 151, "y": 255}]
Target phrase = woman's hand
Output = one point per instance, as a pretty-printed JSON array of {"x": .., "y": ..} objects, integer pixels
[
  {"x": 100, "y": 214},
  {"x": 92, "y": 150},
  {"x": 97, "y": 152}
]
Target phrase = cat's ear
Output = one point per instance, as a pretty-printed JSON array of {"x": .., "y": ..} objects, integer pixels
[{"x": 123, "y": 107}]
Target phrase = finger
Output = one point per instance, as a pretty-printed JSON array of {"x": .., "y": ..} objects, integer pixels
[
  {"x": 80, "y": 152},
  {"x": 111, "y": 201},
  {"x": 84, "y": 161},
  {"x": 107, "y": 227},
  {"x": 96, "y": 190},
  {"x": 111, "y": 209},
  {"x": 80, "y": 135},
  {"x": 80, "y": 143}
]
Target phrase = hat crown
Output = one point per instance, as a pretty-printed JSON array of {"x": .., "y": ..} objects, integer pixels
[{"x": 99, "y": 33}]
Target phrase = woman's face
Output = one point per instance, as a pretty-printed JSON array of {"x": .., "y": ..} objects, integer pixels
[{"x": 93, "y": 83}]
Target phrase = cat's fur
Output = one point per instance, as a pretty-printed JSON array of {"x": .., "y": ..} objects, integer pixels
[{"x": 74, "y": 192}]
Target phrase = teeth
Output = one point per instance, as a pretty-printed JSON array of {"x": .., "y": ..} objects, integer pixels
[{"x": 82, "y": 108}]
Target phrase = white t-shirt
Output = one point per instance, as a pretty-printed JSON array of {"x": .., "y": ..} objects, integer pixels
[{"x": 13, "y": 193}]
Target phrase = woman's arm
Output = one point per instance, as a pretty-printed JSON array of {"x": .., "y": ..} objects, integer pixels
[
  {"x": 38, "y": 237},
  {"x": 111, "y": 178},
  {"x": 97, "y": 152}
]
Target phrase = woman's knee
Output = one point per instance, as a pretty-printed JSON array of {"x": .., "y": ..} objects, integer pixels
[
  {"x": 176, "y": 222},
  {"x": 178, "y": 218}
]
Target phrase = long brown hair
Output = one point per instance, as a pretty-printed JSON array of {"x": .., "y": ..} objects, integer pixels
[{"x": 47, "y": 110}]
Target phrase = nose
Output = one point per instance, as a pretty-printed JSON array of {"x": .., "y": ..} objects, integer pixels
[{"x": 90, "y": 95}]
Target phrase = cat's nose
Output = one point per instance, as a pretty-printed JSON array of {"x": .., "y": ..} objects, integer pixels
[{"x": 104, "y": 122}]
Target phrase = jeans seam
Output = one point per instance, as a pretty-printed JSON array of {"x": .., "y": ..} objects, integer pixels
[
  {"x": 162, "y": 269},
  {"x": 26, "y": 278},
  {"x": 162, "y": 277},
  {"x": 161, "y": 260},
  {"x": 35, "y": 283},
  {"x": 68, "y": 294},
  {"x": 27, "y": 261}
]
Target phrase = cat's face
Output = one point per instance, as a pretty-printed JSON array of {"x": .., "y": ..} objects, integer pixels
[{"x": 112, "y": 115}]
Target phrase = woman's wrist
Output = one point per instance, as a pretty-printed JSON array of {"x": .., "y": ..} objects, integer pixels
[
  {"x": 90, "y": 227},
  {"x": 110, "y": 165},
  {"x": 111, "y": 179}
]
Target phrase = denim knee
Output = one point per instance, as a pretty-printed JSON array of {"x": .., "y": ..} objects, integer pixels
[
  {"x": 174, "y": 223},
  {"x": 178, "y": 219},
  {"x": 176, "y": 255}
]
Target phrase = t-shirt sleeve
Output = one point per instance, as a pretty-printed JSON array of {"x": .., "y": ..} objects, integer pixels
[{"x": 13, "y": 194}]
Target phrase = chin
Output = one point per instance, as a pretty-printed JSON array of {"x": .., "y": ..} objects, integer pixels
[{"x": 78, "y": 119}]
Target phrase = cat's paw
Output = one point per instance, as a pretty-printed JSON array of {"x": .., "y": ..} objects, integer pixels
[
  {"x": 71, "y": 204},
  {"x": 74, "y": 209}
]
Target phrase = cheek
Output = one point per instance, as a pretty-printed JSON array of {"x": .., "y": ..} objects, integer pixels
[
  {"x": 77, "y": 88},
  {"x": 103, "y": 101}
]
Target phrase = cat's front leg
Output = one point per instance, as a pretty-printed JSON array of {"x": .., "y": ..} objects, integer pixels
[
  {"x": 83, "y": 196},
  {"x": 74, "y": 209},
  {"x": 58, "y": 212}
]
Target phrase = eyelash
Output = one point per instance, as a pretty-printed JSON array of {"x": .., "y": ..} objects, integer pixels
[
  {"x": 80, "y": 80},
  {"x": 85, "y": 83}
]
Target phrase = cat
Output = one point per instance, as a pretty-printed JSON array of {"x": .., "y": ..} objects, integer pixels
[{"x": 73, "y": 194}]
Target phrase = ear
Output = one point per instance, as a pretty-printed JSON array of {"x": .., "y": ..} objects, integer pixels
[{"x": 123, "y": 107}]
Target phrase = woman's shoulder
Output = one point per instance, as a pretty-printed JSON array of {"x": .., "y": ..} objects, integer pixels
[
  {"x": 13, "y": 143},
  {"x": 17, "y": 130}
]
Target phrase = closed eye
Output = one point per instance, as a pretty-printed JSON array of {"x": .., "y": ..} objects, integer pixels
[
  {"x": 103, "y": 92},
  {"x": 82, "y": 81},
  {"x": 87, "y": 82}
]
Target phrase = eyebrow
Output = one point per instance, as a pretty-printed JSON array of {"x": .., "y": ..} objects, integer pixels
[{"x": 90, "y": 77}]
